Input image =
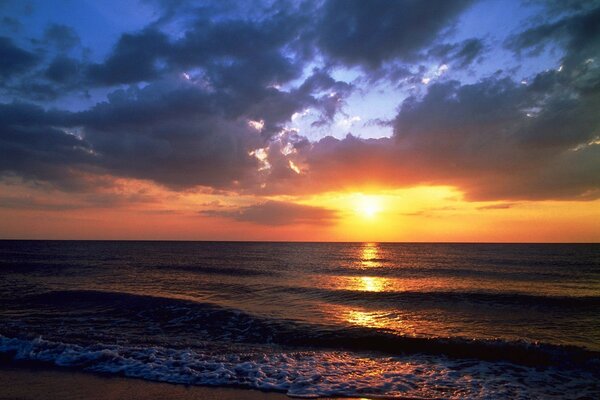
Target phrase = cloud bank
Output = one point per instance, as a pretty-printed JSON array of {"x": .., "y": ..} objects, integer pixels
[{"x": 205, "y": 96}]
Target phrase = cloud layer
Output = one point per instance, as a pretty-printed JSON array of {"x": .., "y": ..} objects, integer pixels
[
  {"x": 278, "y": 213},
  {"x": 206, "y": 95}
]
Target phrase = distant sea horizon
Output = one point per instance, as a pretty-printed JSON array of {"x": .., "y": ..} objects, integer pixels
[{"x": 281, "y": 241}]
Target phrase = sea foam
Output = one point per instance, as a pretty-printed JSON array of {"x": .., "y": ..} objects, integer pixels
[{"x": 313, "y": 373}]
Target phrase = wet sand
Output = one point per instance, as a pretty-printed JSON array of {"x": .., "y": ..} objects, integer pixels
[{"x": 24, "y": 383}]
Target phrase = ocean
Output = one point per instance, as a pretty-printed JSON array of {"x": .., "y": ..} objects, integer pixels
[{"x": 519, "y": 321}]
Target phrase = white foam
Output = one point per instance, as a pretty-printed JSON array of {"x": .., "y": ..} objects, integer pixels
[{"x": 313, "y": 374}]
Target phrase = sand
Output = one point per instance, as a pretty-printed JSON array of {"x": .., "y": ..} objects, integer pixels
[{"x": 38, "y": 383}]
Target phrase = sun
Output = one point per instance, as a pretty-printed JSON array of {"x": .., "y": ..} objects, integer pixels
[{"x": 368, "y": 206}]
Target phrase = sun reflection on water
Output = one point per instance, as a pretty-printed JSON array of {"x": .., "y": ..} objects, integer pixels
[
  {"x": 380, "y": 319},
  {"x": 370, "y": 257},
  {"x": 370, "y": 284},
  {"x": 364, "y": 318}
]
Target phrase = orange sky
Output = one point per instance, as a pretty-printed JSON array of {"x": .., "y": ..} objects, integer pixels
[{"x": 141, "y": 210}]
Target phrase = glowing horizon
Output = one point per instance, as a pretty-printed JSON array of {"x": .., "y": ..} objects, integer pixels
[{"x": 419, "y": 214}]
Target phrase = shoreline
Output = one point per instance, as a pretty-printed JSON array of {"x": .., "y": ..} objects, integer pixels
[{"x": 32, "y": 383}]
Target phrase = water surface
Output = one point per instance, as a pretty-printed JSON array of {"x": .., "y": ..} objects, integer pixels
[{"x": 312, "y": 319}]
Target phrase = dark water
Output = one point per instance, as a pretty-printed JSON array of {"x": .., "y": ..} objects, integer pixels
[{"x": 308, "y": 319}]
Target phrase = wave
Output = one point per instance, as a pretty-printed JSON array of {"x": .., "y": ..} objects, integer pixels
[
  {"x": 310, "y": 373},
  {"x": 350, "y": 266},
  {"x": 52, "y": 268},
  {"x": 207, "y": 270},
  {"x": 214, "y": 323},
  {"x": 33, "y": 266},
  {"x": 383, "y": 268},
  {"x": 494, "y": 298}
]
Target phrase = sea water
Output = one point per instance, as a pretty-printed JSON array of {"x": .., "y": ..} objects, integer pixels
[{"x": 311, "y": 319}]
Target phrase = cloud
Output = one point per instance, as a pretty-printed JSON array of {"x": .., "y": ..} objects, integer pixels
[
  {"x": 33, "y": 147},
  {"x": 370, "y": 33},
  {"x": 331, "y": 96},
  {"x": 14, "y": 60},
  {"x": 244, "y": 48},
  {"x": 235, "y": 47},
  {"x": 242, "y": 54},
  {"x": 32, "y": 203},
  {"x": 494, "y": 139},
  {"x": 62, "y": 69},
  {"x": 577, "y": 30},
  {"x": 461, "y": 54},
  {"x": 500, "y": 206},
  {"x": 277, "y": 213},
  {"x": 44, "y": 72},
  {"x": 178, "y": 110},
  {"x": 62, "y": 37},
  {"x": 174, "y": 132},
  {"x": 182, "y": 134},
  {"x": 133, "y": 59},
  {"x": 10, "y": 24},
  {"x": 178, "y": 132}
]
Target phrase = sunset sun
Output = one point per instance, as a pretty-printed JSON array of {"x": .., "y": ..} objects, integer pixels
[{"x": 368, "y": 206}]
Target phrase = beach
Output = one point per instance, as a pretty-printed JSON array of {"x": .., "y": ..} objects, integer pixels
[{"x": 33, "y": 383}]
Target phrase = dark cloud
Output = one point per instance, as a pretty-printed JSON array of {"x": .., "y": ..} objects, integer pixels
[
  {"x": 24, "y": 115},
  {"x": 62, "y": 70},
  {"x": 278, "y": 213},
  {"x": 14, "y": 60},
  {"x": 182, "y": 135},
  {"x": 176, "y": 132},
  {"x": 38, "y": 90},
  {"x": 169, "y": 9},
  {"x": 495, "y": 139},
  {"x": 384, "y": 123},
  {"x": 35, "y": 147},
  {"x": 32, "y": 203},
  {"x": 460, "y": 55},
  {"x": 46, "y": 199},
  {"x": 62, "y": 37},
  {"x": 560, "y": 6},
  {"x": 248, "y": 49},
  {"x": 369, "y": 33},
  {"x": 11, "y": 24},
  {"x": 133, "y": 59},
  {"x": 171, "y": 133},
  {"x": 193, "y": 109},
  {"x": 330, "y": 95},
  {"x": 501, "y": 206},
  {"x": 578, "y": 33},
  {"x": 239, "y": 54}
]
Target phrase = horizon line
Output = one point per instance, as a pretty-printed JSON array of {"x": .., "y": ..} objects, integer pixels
[{"x": 278, "y": 241}]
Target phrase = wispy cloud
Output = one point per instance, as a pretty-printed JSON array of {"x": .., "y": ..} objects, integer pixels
[{"x": 277, "y": 213}]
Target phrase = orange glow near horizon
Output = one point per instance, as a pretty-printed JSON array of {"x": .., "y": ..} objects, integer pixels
[{"x": 133, "y": 209}]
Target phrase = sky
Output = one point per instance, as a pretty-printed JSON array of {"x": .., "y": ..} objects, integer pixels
[{"x": 341, "y": 120}]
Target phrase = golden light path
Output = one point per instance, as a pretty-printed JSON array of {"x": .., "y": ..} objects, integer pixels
[{"x": 370, "y": 257}]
